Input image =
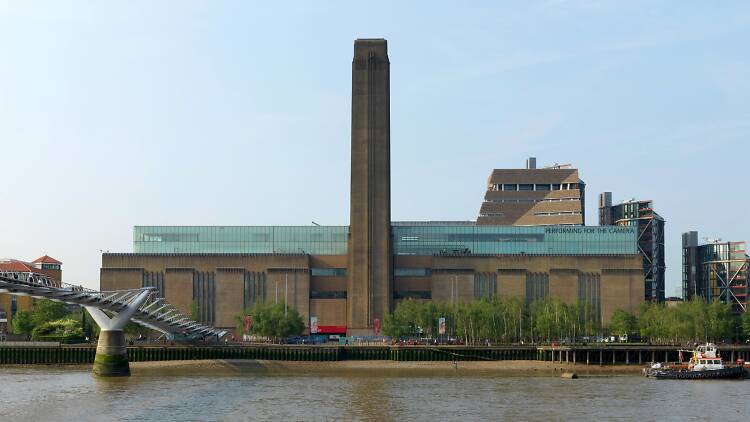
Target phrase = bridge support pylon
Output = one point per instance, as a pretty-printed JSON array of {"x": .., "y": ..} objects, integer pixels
[{"x": 111, "y": 350}]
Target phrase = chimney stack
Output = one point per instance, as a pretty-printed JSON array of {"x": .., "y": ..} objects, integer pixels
[{"x": 530, "y": 163}]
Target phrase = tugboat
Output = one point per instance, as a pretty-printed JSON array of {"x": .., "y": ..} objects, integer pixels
[{"x": 704, "y": 364}]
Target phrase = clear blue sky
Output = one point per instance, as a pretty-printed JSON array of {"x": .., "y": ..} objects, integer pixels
[{"x": 114, "y": 114}]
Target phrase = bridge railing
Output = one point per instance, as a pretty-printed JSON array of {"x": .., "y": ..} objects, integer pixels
[{"x": 154, "y": 312}]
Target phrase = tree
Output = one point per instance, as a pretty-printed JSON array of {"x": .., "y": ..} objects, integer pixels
[
  {"x": 274, "y": 321},
  {"x": 46, "y": 311},
  {"x": 43, "y": 311},
  {"x": 746, "y": 324},
  {"x": 622, "y": 323},
  {"x": 63, "y": 330},
  {"x": 22, "y": 322},
  {"x": 194, "y": 310}
]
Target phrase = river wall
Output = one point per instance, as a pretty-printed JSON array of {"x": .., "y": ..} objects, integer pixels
[{"x": 592, "y": 355}]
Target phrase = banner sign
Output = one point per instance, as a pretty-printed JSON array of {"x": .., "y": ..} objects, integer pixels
[
  {"x": 376, "y": 326},
  {"x": 313, "y": 325},
  {"x": 441, "y": 325}
]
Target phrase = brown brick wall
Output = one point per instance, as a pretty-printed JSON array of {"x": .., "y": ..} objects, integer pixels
[
  {"x": 120, "y": 278},
  {"x": 563, "y": 284},
  {"x": 178, "y": 288},
  {"x": 229, "y": 297},
  {"x": 328, "y": 311}
]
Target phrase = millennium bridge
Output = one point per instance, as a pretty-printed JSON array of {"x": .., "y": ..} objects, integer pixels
[{"x": 111, "y": 310}]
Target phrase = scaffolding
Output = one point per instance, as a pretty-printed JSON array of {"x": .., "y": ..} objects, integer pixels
[
  {"x": 650, "y": 229},
  {"x": 724, "y": 274}
]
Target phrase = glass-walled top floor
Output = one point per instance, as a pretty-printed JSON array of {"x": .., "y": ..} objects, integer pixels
[
  {"x": 501, "y": 240},
  {"x": 416, "y": 239},
  {"x": 314, "y": 240}
]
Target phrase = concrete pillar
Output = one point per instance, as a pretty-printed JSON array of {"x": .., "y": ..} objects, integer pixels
[
  {"x": 567, "y": 356},
  {"x": 111, "y": 358},
  {"x": 111, "y": 355},
  {"x": 653, "y": 356},
  {"x": 601, "y": 357},
  {"x": 613, "y": 357},
  {"x": 587, "y": 357},
  {"x": 627, "y": 357},
  {"x": 640, "y": 358}
]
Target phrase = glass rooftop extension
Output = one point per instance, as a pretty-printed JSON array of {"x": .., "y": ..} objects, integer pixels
[
  {"x": 514, "y": 240},
  {"x": 314, "y": 240},
  {"x": 408, "y": 239}
]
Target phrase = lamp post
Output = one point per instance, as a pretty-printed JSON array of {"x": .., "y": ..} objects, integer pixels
[{"x": 286, "y": 286}]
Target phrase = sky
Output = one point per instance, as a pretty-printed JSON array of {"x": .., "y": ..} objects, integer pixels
[{"x": 116, "y": 114}]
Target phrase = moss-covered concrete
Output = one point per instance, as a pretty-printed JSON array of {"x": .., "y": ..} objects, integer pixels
[{"x": 111, "y": 355}]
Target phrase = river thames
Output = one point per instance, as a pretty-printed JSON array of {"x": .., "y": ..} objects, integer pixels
[{"x": 49, "y": 393}]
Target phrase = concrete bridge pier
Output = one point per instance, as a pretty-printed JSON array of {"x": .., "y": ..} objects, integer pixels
[
  {"x": 111, "y": 355},
  {"x": 111, "y": 350}
]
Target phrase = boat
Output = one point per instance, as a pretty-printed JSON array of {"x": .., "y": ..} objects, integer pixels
[{"x": 704, "y": 364}]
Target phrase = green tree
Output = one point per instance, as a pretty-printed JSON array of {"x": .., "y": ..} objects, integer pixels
[
  {"x": 42, "y": 312},
  {"x": 194, "y": 310},
  {"x": 46, "y": 311},
  {"x": 64, "y": 330},
  {"x": 746, "y": 324},
  {"x": 274, "y": 321},
  {"x": 23, "y": 323},
  {"x": 622, "y": 323}
]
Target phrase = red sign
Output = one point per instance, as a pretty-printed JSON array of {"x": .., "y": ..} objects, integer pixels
[{"x": 332, "y": 329}]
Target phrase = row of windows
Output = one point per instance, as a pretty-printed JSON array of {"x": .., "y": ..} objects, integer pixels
[
  {"x": 328, "y": 272},
  {"x": 485, "y": 285},
  {"x": 557, "y": 213},
  {"x": 339, "y": 294},
  {"x": 537, "y": 287},
  {"x": 204, "y": 294},
  {"x": 408, "y": 240},
  {"x": 154, "y": 279},
  {"x": 412, "y": 294},
  {"x": 433, "y": 240},
  {"x": 318, "y": 240},
  {"x": 533, "y": 186},
  {"x": 530, "y": 201},
  {"x": 255, "y": 288},
  {"x": 589, "y": 293},
  {"x": 412, "y": 272}
]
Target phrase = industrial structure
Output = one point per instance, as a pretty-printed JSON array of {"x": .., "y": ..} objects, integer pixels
[
  {"x": 715, "y": 270},
  {"x": 346, "y": 278},
  {"x": 548, "y": 196},
  {"x": 650, "y": 229}
]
